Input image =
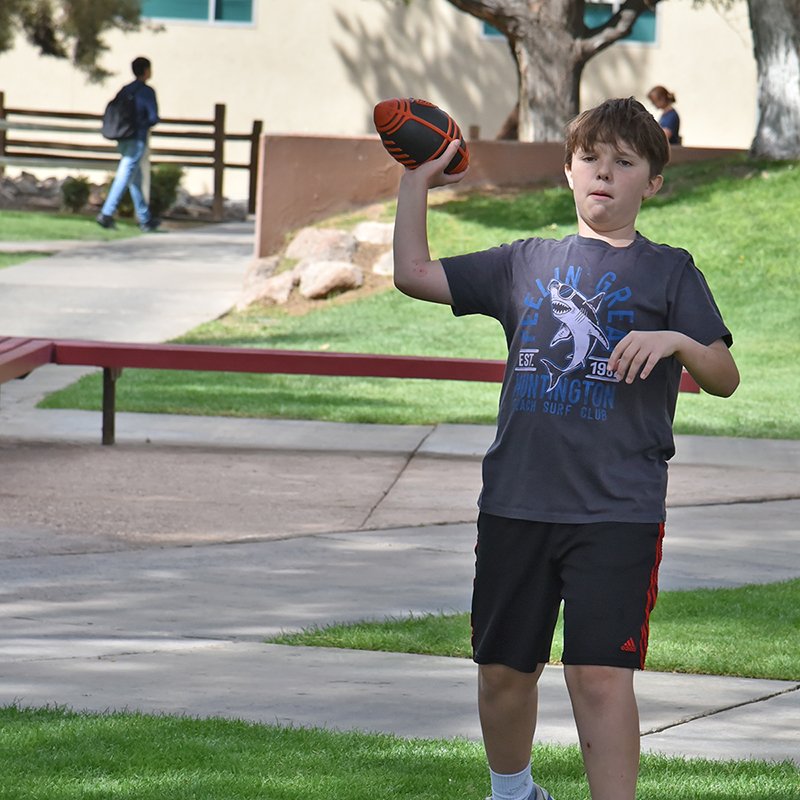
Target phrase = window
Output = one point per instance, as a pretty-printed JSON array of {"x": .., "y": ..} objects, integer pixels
[
  {"x": 204, "y": 10},
  {"x": 595, "y": 14},
  {"x": 643, "y": 31}
]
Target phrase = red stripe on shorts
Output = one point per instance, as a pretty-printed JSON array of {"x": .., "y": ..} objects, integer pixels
[{"x": 652, "y": 594}]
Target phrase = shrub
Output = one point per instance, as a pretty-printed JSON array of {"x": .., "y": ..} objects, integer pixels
[
  {"x": 75, "y": 193},
  {"x": 164, "y": 182}
]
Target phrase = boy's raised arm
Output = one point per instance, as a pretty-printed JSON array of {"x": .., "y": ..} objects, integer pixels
[{"x": 414, "y": 272}]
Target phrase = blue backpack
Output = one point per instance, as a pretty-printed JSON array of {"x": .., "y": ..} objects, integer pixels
[{"x": 119, "y": 118}]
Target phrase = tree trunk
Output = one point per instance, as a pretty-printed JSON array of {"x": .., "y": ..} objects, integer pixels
[
  {"x": 549, "y": 86},
  {"x": 550, "y": 44},
  {"x": 776, "y": 42},
  {"x": 509, "y": 130}
]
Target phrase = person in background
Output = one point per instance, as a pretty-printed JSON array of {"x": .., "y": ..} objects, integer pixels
[
  {"x": 133, "y": 150},
  {"x": 669, "y": 121}
]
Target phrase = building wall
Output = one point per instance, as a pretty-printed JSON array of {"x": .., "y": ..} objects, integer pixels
[
  {"x": 319, "y": 67},
  {"x": 704, "y": 57}
]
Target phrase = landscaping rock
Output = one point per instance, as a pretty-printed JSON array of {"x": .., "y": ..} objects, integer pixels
[
  {"x": 25, "y": 192},
  {"x": 200, "y": 207},
  {"x": 323, "y": 278},
  {"x": 374, "y": 232},
  {"x": 384, "y": 264},
  {"x": 256, "y": 280},
  {"x": 278, "y": 288},
  {"x": 322, "y": 244}
]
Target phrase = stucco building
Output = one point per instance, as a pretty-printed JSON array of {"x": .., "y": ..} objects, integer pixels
[{"x": 319, "y": 66}]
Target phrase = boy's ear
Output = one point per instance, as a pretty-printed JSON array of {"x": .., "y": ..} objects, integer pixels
[
  {"x": 653, "y": 185},
  {"x": 568, "y": 173}
]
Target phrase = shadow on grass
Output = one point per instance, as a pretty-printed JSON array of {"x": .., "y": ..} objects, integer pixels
[
  {"x": 324, "y": 398},
  {"x": 689, "y": 184},
  {"x": 524, "y": 210}
]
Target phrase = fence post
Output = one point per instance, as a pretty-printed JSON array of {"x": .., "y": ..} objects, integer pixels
[
  {"x": 2, "y": 132},
  {"x": 218, "y": 208},
  {"x": 251, "y": 192}
]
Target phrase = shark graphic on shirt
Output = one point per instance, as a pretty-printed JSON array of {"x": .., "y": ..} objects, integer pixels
[{"x": 578, "y": 318}]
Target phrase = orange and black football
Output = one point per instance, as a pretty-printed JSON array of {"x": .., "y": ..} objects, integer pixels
[{"x": 415, "y": 131}]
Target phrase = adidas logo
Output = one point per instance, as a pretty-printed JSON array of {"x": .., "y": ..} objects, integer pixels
[{"x": 629, "y": 646}]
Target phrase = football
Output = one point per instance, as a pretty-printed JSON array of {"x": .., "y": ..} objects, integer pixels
[{"x": 415, "y": 131}]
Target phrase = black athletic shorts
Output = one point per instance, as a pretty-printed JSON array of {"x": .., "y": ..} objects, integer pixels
[{"x": 606, "y": 573}]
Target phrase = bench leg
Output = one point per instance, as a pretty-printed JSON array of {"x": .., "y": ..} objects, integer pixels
[{"x": 110, "y": 375}]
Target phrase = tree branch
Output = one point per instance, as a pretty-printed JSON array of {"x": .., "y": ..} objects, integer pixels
[
  {"x": 505, "y": 15},
  {"x": 620, "y": 25},
  {"x": 70, "y": 29}
]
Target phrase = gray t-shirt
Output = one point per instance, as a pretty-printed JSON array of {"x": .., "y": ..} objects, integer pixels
[{"x": 573, "y": 445}]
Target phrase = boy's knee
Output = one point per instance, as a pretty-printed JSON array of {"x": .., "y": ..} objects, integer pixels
[
  {"x": 495, "y": 680},
  {"x": 598, "y": 683}
]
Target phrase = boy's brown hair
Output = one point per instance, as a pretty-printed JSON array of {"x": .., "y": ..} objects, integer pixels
[{"x": 616, "y": 121}]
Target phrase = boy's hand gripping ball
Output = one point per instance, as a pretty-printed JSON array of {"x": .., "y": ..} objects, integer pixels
[{"x": 415, "y": 131}]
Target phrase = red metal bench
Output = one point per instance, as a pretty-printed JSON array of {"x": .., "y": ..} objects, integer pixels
[
  {"x": 20, "y": 356},
  {"x": 113, "y": 357}
]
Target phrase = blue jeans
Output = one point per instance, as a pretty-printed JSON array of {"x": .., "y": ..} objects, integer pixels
[{"x": 129, "y": 176}]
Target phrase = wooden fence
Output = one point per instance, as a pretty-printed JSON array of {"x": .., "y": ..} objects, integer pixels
[{"x": 26, "y": 140}]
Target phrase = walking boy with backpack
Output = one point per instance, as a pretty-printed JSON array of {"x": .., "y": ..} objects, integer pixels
[
  {"x": 128, "y": 119},
  {"x": 599, "y": 325}
]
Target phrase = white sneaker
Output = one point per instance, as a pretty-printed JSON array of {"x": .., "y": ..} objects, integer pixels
[{"x": 537, "y": 794}]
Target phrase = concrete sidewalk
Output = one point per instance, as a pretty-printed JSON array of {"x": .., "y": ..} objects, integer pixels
[
  {"x": 179, "y": 629},
  {"x": 145, "y": 576},
  {"x": 142, "y": 289}
]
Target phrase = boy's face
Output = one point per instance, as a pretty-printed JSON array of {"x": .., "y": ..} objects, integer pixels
[{"x": 609, "y": 182}]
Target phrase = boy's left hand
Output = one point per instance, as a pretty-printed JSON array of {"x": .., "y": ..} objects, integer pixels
[{"x": 639, "y": 351}]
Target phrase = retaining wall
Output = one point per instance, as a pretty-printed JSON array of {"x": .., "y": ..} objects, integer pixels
[{"x": 303, "y": 179}]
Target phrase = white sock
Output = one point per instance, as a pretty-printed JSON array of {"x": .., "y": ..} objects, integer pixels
[{"x": 512, "y": 787}]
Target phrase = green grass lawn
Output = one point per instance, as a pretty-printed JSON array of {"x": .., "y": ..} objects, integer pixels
[
  {"x": 11, "y": 259},
  {"x": 736, "y": 217},
  {"x": 53, "y": 754},
  {"x": 749, "y": 632},
  {"x": 31, "y": 226}
]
